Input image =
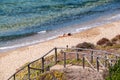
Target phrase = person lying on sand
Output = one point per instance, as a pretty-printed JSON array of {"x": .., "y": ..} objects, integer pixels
[{"x": 65, "y": 35}]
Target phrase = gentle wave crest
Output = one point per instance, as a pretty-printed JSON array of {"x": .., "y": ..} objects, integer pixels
[{"x": 41, "y": 32}]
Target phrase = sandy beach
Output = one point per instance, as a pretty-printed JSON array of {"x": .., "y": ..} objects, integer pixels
[{"x": 12, "y": 60}]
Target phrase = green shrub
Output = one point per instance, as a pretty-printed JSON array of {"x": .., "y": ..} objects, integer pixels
[
  {"x": 114, "y": 72},
  {"x": 85, "y": 45}
]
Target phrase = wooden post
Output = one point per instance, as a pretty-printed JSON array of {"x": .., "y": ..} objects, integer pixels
[
  {"x": 116, "y": 59},
  {"x": 105, "y": 63},
  {"x": 42, "y": 64},
  {"x": 14, "y": 77},
  {"x": 97, "y": 63},
  {"x": 77, "y": 56},
  {"x": 28, "y": 72},
  {"x": 55, "y": 55},
  {"x": 83, "y": 61},
  {"x": 91, "y": 56},
  {"x": 67, "y": 47},
  {"x": 64, "y": 60}
]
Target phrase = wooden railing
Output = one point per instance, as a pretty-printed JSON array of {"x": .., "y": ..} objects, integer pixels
[{"x": 94, "y": 55}]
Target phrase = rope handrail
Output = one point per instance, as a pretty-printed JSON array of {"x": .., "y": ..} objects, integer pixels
[
  {"x": 84, "y": 49},
  {"x": 77, "y": 52},
  {"x": 42, "y": 56},
  {"x": 90, "y": 64},
  {"x": 17, "y": 71},
  {"x": 88, "y": 50},
  {"x": 30, "y": 64},
  {"x": 101, "y": 64}
]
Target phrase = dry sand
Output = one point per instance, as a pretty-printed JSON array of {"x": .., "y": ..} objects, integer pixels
[
  {"x": 12, "y": 60},
  {"x": 74, "y": 72}
]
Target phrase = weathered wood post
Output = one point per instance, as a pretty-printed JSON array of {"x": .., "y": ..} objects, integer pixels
[
  {"x": 67, "y": 47},
  {"x": 116, "y": 58},
  {"x": 91, "y": 56},
  {"x": 83, "y": 61},
  {"x": 97, "y": 61},
  {"x": 55, "y": 55},
  {"x": 77, "y": 56},
  {"x": 64, "y": 59},
  {"x": 14, "y": 77},
  {"x": 42, "y": 64},
  {"x": 28, "y": 71}
]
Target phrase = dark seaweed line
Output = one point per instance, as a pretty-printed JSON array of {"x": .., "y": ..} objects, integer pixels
[{"x": 11, "y": 37}]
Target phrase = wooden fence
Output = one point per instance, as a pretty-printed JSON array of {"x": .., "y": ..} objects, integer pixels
[{"x": 94, "y": 55}]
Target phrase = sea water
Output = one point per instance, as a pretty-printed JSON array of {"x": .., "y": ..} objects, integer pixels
[{"x": 26, "y": 22}]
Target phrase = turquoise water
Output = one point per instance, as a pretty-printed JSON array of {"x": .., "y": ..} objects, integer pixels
[{"x": 44, "y": 19}]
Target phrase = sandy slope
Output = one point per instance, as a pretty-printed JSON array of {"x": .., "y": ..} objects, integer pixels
[
  {"x": 74, "y": 72},
  {"x": 12, "y": 60}
]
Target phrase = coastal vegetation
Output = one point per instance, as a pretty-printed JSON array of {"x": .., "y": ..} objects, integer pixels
[
  {"x": 102, "y": 44},
  {"x": 52, "y": 75},
  {"x": 85, "y": 45},
  {"x": 111, "y": 45},
  {"x": 106, "y": 44},
  {"x": 114, "y": 72}
]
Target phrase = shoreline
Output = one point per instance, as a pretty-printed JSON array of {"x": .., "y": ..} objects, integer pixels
[
  {"x": 87, "y": 25},
  {"x": 13, "y": 59}
]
